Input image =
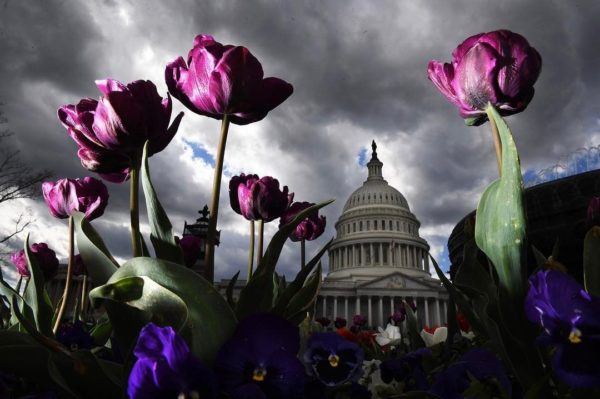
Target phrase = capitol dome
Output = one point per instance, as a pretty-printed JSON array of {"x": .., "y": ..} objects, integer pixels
[{"x": 378, "y": 259}]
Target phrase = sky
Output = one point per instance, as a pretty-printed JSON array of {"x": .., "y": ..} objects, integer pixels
[{"x": 359, "y": 71}]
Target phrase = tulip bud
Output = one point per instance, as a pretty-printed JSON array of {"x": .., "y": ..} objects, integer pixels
[
  {"x": 593, "y": 212},
  {"x": 68, "y": 196},
  {"x": 259, "y": 199},
  {"x": 310, "y": 228},
  {"x": 498, "y": 67}
]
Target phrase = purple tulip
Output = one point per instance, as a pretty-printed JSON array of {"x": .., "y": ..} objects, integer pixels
[
  {"x": 499, "y": 67},
  {"x": 111, "y": 132},
  {"x": 570, "y": 318},
  {"x": 340, "y": 322},
  {"x": 165, "y": 368},
  {"x": 593, "y": 212},
  {"x": 191, "y": 247},
  {"x": 323, "y": 321},
  {"x": 359, "y": 320},
  {"x": 399, "y": 316},
  {"x": 78, "y": 266},
  {"x": 258, "y": 199},
  {"x": 68, "y": 196},
  {"x": 310, "y": 228},
  {"x": 46, "y": 259},
  {"x": 219, "y": 80}
]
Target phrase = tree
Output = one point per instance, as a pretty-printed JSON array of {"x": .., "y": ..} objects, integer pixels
[{"x": 17, "y": 179}]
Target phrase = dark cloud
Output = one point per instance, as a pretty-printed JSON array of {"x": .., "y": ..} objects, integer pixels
[{"x": 359, "y": 73}]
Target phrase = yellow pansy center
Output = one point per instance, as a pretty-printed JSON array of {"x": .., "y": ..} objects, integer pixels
[
  {"x": 259, "y": 374},
  {"x": 575, "y": 336},
  {"x": 334, "y": 360}
]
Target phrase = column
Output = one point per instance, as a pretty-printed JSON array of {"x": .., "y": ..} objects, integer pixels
[
  {"x": 370, "y": 318},
  {"x": 381, "y": 254},
  {"x": 445, "y": 314},
  {"x": 392, "y": 305},
  {"x": 391, "y": 254},
  {"x": 334, "y": 307},
  {"x": 414, "y": 254},
  {"x": 324, "y": 306},
  {"x": 361, "y": 261},
  {"x": 381, "y": 321},
  {"x": 355, "y": 256},
  {"x": 357, "y": 310},
  {"x": 372, "y": 256},
  {"x": 427, "y": 263},
  {"x": 346, "y": 308},
  {"x": 426, "y": 312},
  {"x": 437, "y": 310}
]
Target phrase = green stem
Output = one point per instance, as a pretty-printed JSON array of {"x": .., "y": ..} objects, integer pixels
[
  {"x": 134, "y": 208},
  {"x": 261, "y": 234},
  {"x": 67, "y": 290},
  {"x": 27, "y": 280},
  {"x": 209, "y": 258},
  {"x": 84, "y": 296},
  {"x": 495, "y": 137},
  {"x": 303, "y": 252},
  {"x": 251, "y": 251},
  {"x": 18, "y": 288}
]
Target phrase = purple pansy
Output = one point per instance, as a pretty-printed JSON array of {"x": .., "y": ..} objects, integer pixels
[
  {"x": 340, "y": 322},
  {"x": 310, "y": 228},
  {"x": 359, "y": 320},
  {"x": 46, "y": 259},
  {"x": 74, "y": 336},
  {"x": 67, "y": 196},
  {"x": 499, "y": 67},
  {"x": 478, "y": 362},
  {"x": 407, "y": 369},
  {"x": 111, "y": 132},
  {"x": 165, "y": 368},
  {"x": 260, "y": 360},
  {"x": 332, "y": 359},
  {"x": 570, "y": 318},
  {"x": 258, "y": 199},
  {"x": 219, "y": 80}
]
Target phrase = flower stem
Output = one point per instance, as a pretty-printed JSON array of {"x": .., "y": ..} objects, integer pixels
[
  {"x": 134, "y": 209},
  {"x": 18, "y": 288},
  {"x": 261, "y": 234},
  {"x": 303, "y": 252},
  {"x": 251, "y": 251},
  {"x": 209, "y": 257},
  {"x": 67, "y": 290},
  {"x": 496, "y": 138},
  {"x": 84, "y": 285}
]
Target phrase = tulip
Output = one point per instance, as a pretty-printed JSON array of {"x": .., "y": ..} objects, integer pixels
[
  {"x": 340, "y": 322},
  {"x": 310, "y": 228},
  {"x": 67, "y": 196},
  {"x": 497, "y": 67},
  {"x": 45, "y": 257},
  {"x": 223, "y": 80},
  {"x": 434, "y": 335},
  {"x": 323, "y": 321},
  {"x": 165, "y": 368},
  {"x": 261, "y": 199},
  {"x": 359, "y": 320},
  {"x": 111, "y": 132},
  {"x": 191, "y": 247},
  {"x": 593, "y": 212},
  {"x": 390, "y": 336}
]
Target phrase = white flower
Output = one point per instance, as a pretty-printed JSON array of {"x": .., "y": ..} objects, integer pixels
[
  {"x": 470, "y": 335},
  {"x": 439, "y": 335},
  {"x": 389, "y": 336}
]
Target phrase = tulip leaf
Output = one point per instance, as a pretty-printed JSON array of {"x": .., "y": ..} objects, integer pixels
[
  {"x": 35, "y": 294},
  {"x": 101, "y": 332},
  {"x": 161, "y": 230},
  {"x": 305, "y": 298},
  {"x": 9, "y": 292},
  {"x": 100, "y": 264},
  {"x": 500, "y": 219},
  {"x": 298, "y": 282},
  {"x": 230, "y": 288},
  {"x": 210, "y": 319},
  {"x": 258, "y": 294},
  {"x": 591, "y": 261},
  {"x": 413, "y": 330}
]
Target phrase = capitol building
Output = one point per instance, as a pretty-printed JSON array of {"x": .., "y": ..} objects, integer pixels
[{"x": 377, "y": 258}]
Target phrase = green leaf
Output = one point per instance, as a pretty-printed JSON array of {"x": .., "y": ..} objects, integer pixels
[
  {"x": 210, "y": 319},
  {"x": 304, "y": 298},
  {"x": 258, "y": 294},
  {"x": 101, "y": 332},
  {"x": 229, "y": 291},
  {"x": 298, "y": 282},
  {"x": 99, "y": 262},
  {"x": 411, "y": 325},
  {"x": 35, "y": 294},
  {"x": 500, "y": 219},
  {"x": 591, "y": 261},
  {"x": 161, "y": 229}
]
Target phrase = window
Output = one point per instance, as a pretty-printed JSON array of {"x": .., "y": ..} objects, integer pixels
[
  {"x": 375, "y": 227},
  {"x": 360, "y": 226},
  {"x": 368, "y": 225},
  {"x": 354, "y": 227},
  {"x": 390, "y": 225},
  {"x": 397, "y": 225},
  {"x": 386, "y": 248},
  {"x": 383, "y": 225},
  {"x": 367, "y": 254},
  {"x": 376, "y": 254}
]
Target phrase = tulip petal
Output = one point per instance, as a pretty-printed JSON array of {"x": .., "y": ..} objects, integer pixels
[
  {"x": 442, "y": 74},
  {"x": 109, "y": 85},
  {"x": 475, "y": 75}
]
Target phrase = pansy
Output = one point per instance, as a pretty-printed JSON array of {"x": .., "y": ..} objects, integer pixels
[
  {"x": 260, "y": 360},
  {"x": 389, "y": 336},
  {"x": 74, "y": 336},
  {"x": 570, "y": 318},
  {"x": 359, "y": 320},
  {"x": 340, "y": 322},
  {"x": 165, "y": 368},
  {"x": 333, "y": 359},
  {"x": 479, "y": 363},
  {"x": 323, "y": 321},
  {"x": 407, "y": 369}
]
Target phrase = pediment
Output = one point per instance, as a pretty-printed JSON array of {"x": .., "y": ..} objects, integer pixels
[{"x": 397, "y": 280}]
